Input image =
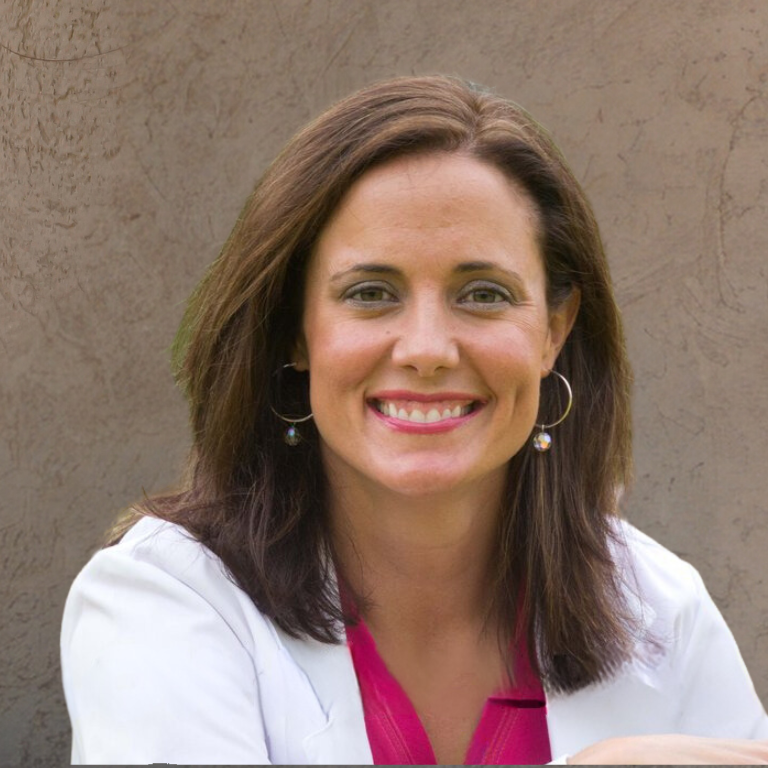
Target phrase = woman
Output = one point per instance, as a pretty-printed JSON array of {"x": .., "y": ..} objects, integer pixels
[{"x": 399, "y": 539}]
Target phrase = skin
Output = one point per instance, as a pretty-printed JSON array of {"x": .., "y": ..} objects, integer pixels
[
  {"x": 423, "y": 329},
  {"x": 391, "y": 304},
  {"x": 673, "y": 750}
]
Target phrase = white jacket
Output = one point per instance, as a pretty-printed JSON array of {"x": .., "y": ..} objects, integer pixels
[{"x": 164, "y": 659}]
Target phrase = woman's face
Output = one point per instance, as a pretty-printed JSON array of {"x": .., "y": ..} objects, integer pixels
[{"x": 426, "y": 330}]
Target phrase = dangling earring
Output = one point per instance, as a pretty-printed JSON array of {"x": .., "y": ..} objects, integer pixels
[
  {"x": 542, "y": 440},
  {"x": 291, "y": 436}
]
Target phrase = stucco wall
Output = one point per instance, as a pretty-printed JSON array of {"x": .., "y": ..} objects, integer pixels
[{"x": 131, "y": 132}]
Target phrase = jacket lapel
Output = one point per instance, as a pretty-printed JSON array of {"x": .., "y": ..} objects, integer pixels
[{"x": 342, "y": 738}]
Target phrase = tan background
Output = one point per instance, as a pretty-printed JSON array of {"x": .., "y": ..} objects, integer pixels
[{"x": 132, "y": 130}]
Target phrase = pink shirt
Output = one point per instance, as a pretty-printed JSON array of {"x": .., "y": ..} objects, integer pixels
[{"x": 512, "y": 728}]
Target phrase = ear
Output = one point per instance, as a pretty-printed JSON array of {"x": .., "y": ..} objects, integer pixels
[
  {"x": 299, "y": 354},
  {"x": 561, "y": 320}
]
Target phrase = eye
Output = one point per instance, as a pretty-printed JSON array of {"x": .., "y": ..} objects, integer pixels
[
  {"x": 486, "y": 294},
  {"x": 369, "y": 293}
]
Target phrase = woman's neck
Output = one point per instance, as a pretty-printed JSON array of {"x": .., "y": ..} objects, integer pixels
[{"x": 423, "y": 563}]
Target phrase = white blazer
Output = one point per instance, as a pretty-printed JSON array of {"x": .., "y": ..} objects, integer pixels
[{"x": 165, "y": 660}]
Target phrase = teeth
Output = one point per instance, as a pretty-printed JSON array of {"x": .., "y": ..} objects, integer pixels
[{"x": 418, "y": 416}]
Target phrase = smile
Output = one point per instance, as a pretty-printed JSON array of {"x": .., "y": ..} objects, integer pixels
[{"x": 424, "y": 413}]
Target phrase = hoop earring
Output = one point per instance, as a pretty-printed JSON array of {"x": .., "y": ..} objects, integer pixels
[
  {"x": 291, "y": 436},
  {"x": 542, "y": 440}
]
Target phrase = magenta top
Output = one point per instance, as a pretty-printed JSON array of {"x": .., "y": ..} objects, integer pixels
[{"x": 512, "y": 728}]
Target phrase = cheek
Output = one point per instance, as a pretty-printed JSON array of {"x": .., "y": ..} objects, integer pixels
[
  {"x": 342, "y": 359},
  {"x": 515, "y": 378},
  {"x": 513, "y": 357}
]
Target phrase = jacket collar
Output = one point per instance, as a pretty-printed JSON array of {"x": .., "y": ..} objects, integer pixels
[{"x": 342, "y": 738}]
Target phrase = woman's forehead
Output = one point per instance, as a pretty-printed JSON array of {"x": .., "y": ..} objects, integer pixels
[
  {"x": 428, "y": 205},
  {"x": 436, "y": 177}
]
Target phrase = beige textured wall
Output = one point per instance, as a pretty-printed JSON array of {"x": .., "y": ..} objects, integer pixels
[{"x": 131, "y": 132}]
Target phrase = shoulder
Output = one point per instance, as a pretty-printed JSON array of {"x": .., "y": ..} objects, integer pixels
[
  {"x": 686, "y": 674},
  {"x": 166, "y": 546},
  {"x": 647, "y": 552},
  {"x": 665, "y": 596},
  {"x": 682, "y": 631},
  {"x": 169, "y": 549},
  {"x": 160, "y": 572},
  {"x": 153, "y": 625},
  {"x": 165, "y": 659},
  {"x": 653, "y": 573}
]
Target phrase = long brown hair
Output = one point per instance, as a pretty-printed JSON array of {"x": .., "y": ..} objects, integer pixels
[{"x": 261, "y": 505}]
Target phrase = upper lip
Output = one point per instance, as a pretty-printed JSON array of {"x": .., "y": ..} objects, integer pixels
[{"x": 421, "y": 397}]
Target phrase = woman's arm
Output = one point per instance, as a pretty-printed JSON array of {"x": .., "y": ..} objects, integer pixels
[{"x": 673, "y": 750}]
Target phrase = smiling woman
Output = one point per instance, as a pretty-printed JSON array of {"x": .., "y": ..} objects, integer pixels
[
  {"x": 425, "y": 313},
  {"x": 374, "y": 559}
]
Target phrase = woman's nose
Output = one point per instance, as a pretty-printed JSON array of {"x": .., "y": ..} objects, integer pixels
[{"x": 426, "y": 340}]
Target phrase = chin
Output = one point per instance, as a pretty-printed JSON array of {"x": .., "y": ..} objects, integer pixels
[
  {"x": 417, "y": 487},
  {"x": 432, "y": 481}
]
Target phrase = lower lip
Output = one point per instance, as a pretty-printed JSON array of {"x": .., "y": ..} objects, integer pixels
[{"x": 415, "y": 428}]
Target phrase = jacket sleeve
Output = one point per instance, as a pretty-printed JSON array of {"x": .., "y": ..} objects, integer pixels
[
  {"x": 718, "y": 697},
  {"x": 153, "y": 673}
]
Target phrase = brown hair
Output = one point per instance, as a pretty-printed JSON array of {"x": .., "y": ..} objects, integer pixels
[{"x": 261, "y": 505}]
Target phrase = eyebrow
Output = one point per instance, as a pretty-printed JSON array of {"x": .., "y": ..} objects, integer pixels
[
  {"x": 464, "y": 267},
  {"x": 368, "y": 268}
]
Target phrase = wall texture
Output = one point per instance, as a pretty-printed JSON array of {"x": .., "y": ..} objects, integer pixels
[{"x": 131, "y": 132}]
